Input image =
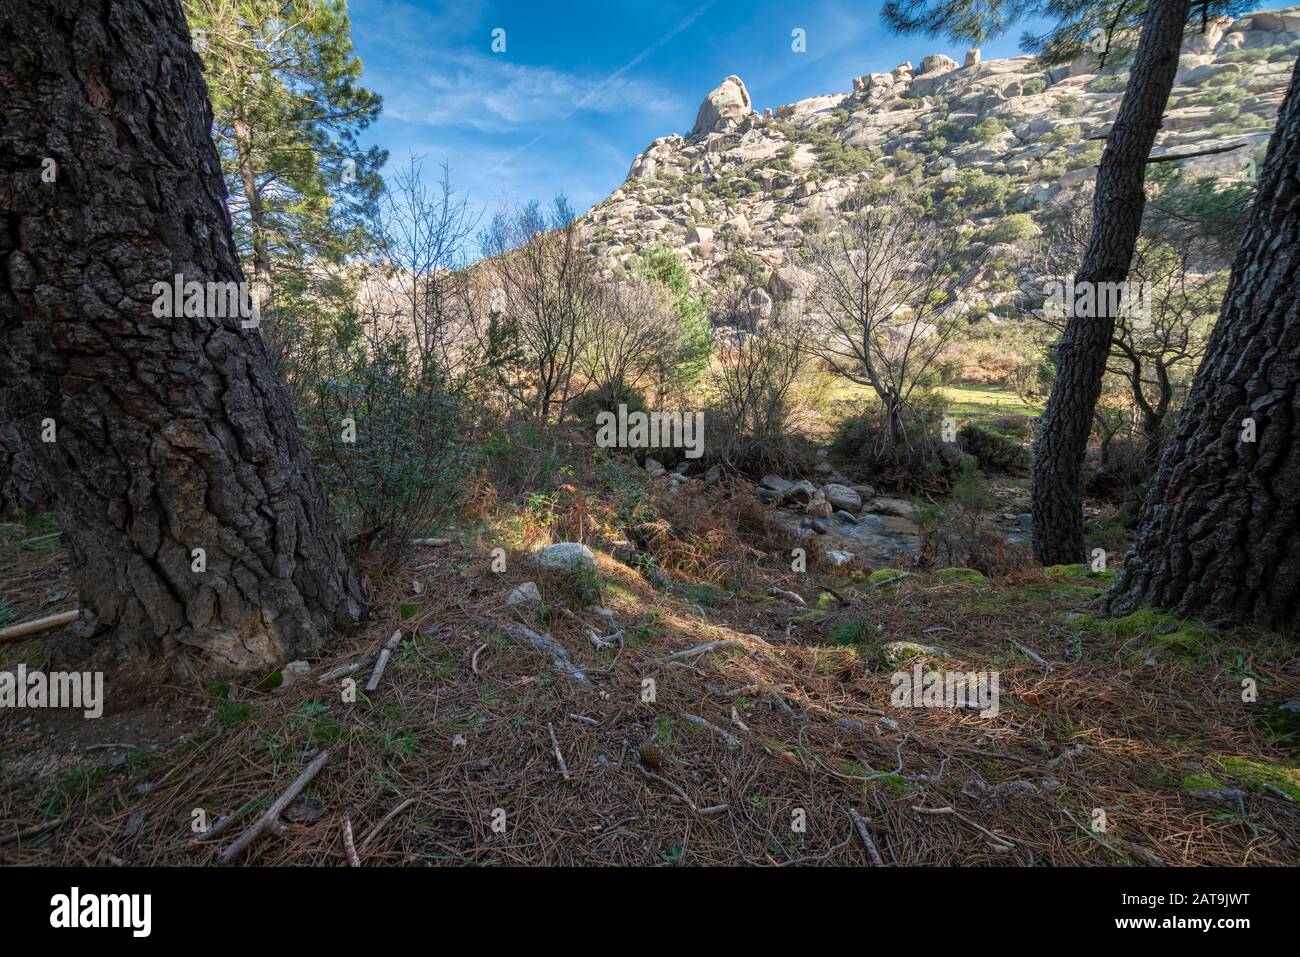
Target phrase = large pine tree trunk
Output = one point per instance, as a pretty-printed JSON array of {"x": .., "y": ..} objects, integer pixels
[
  {"x": 171, "y": 434},
  {"x": 1118, "y": 204},
  {"x": 1220, "y": 531},
  {"x": 21, "y": 492}
]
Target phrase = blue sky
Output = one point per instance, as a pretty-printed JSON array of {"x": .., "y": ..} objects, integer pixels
[{"x": 582, "y": 87}]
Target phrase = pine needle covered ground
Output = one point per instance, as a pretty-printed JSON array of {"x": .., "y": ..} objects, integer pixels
[{"x": 778, "y": 746}]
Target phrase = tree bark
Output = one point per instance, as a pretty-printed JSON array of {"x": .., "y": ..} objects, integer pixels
[
  {"x": 171, "y": 434},
  {"x": 1219, "y": 535},
  {"x": 1118, "y": 205},
  {"x": 21, "y": 491}
]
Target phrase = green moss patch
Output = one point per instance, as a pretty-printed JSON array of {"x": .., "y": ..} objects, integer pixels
[
  {"x": 882, "y": 576},
  {"x": 1256, "y": 774},
  {"x": 960, "y": 575}
]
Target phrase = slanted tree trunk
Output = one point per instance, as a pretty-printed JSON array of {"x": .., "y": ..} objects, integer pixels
[
  {"x": 171, "y": 434},
  {"x": 261, "y": 254},
  {"x": 1220, "y": 532},
  {"x": 1117, "y": 209}
]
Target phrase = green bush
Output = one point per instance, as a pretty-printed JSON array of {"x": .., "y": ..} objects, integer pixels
[
  {"x": 388, "y": 433},
  {"x": 994, "y": 451},
  {"x": 404, "y": 470},
  {"x": 1065, "y": 135},
  {"x": 909, "y": 458},
  {"x": 1011, "y": 229},
  {"x": 986, "y": 130},
  {"x": 1225, "y": 114}
]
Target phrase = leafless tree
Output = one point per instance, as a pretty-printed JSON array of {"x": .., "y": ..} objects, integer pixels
[
  {"x": 755, "y": 382},
  {"x": 414, "y": 285},
  {"x": 877, "y": 296},
  {"x": 634, "y": 332},
  {"x": 541, "y": 305},
  {"x": 1173, "y": 292}
]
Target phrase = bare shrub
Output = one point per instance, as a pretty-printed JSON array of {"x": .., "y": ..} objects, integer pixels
[
  {"x": 877, "y": 290},
  {"x": 633, "y": 335},
  {"x": 961, "y": 534},
  {"x": 760, "y": 395},
  {"x": 541, "y": 301},
  {"x": 413, "y": 285}
]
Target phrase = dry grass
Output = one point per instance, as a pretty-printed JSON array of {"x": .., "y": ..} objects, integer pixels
[{"x": 801, "y": 727}]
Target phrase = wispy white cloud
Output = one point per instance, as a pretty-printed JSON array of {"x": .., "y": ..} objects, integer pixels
[{"x": 491, "y": 94}]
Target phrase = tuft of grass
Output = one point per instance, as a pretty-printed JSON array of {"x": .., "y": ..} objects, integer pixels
[
  {"x": 232, "y": 713},
  {"x": 850, "y": 631},
  {"x": 579, "y": 586},
  {"x": 663, "y": 732},
  {"x": 639, "y": 634},
  {"x": 1066, "y": 572},
  {"x": 1281, "y": 723},
  {"x": 703, "y": 595}
]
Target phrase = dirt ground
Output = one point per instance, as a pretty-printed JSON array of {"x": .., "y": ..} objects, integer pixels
[{"x": 1117, "y": 741}]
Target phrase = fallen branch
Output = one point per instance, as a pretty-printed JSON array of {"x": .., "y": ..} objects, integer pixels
[
  {"x": 1066, "y": 755},
  {"x": 222, "y": 825},
  {"x": 343, "y": 671},
  {"x": 860, "y": 824},
  {"x": 549, "y": 647},
  {"x": 348, "y": 846},
  {"x": 1141, "y": 854},
  {"x": 30, "y": 831},
  {"x": 559, "y": 755},
  {"x": 697, "y": 650},
  {"x": 40, "y": 538},
  {"x": 1032, "y": 655},
  {"x": 731, "y": 740},
  {"x": 844, "y": 602},
  {"x": 610, "y": 641},
  {"x": 389, "y": 647},
  {"x": 702, "y": 811},
  {"x": 787, "y": 595},
  {"x": 431, "y": 542},
  {"x": 386, "y": 818},
  {"x": 363, "y": 537},
  {"x": 38, "y": 625},
  {"x": 735, "y": 719},
  {"x": 997, "y": 838},
  {"x": 271, "y": 819}
]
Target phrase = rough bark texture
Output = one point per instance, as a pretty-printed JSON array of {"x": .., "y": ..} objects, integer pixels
[
  {"x": 1118, "y": 205},
  {"x": 1220, "y": 533},
  {"x": 21, "y": 491},
  {"x": 172, "y": 433}
]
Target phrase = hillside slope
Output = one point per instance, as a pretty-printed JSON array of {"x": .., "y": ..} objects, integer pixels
[{"x": 992, "y": 138}]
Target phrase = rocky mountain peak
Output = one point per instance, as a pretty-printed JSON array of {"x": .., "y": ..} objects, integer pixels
[
  {"x": 725, "y": 107},
  {"x": 1000, "y": 143}
]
